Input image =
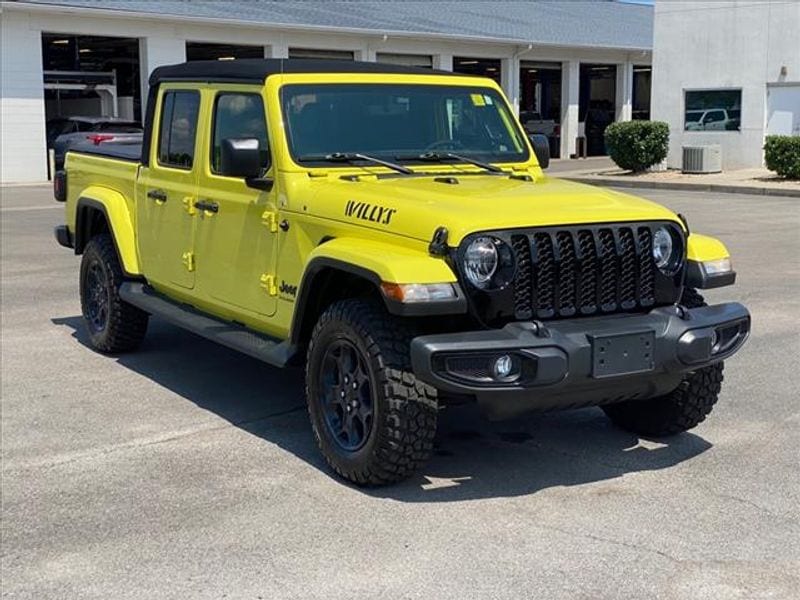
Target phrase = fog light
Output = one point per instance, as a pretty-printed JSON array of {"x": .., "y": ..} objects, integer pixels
[
  {"x": 503, "y": 367},
  {"x": 714, "y": 340}
]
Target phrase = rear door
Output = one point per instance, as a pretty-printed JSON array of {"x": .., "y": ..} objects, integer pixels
[
  {"x": 236, "y": 241},
  {"x": 165, "y": 209}
]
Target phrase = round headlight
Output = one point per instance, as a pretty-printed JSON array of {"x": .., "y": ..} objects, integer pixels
[
  {"x": 663, "y": 249},
  {"x": 480, "y": 261}
]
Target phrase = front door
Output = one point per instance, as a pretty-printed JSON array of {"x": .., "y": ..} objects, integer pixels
[
  {"x": 236, "y": 240},
  {"x": 165, "y": 208}
]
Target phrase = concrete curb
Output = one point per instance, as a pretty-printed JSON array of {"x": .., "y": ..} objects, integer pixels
[{"x": 680, "y": 185}]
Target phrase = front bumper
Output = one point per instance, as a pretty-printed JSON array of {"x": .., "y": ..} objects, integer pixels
[{"x": 580, "y": 362}]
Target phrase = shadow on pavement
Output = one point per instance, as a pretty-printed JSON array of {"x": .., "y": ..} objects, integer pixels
[{"x": 473, "y": 459}]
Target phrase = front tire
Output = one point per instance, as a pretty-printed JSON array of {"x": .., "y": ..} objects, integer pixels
[
  {"x": 113, "y": 325},
  {"x": 373, "y": 421},
  {"x": 682, "y": 409}
]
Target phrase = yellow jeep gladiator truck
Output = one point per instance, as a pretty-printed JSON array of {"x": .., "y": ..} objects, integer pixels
[{"x": 392, "y": 230}]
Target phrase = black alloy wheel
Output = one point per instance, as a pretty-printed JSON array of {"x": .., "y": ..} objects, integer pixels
[
  {"x": 97, "y": 297},
  {"x": 113, "y": 325},
  {"x": 372, "y": 419},
  {"x": 345, "y": 393}
]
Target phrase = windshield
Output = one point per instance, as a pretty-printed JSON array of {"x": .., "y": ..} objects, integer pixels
[{"x": 399, "y": 122}]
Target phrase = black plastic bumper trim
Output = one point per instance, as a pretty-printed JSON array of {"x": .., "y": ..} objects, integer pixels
[
  {"x": 63, "y": 236},
  {"x": 567, "y": 373}
]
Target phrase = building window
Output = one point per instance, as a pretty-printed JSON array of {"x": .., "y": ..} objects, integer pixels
[
  {"x": 713, "y": 110},
  {"x": 315, "y": 53},
  {"x": 178, "y": 129}
]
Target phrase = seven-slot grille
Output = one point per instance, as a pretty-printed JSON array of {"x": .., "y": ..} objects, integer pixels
[{"x": 583, "y": 271}]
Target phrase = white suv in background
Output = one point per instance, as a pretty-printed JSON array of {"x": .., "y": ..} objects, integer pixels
[{"x": 713, "y": 119}]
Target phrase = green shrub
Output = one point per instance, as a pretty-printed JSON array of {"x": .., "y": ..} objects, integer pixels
[
  {"x": 637, "y": 145},
  {"x": 782, "y": 155}
]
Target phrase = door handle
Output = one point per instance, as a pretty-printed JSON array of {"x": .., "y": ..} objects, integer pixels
[
  {"x": 157, "y": 195},
  {"x": 207, "y": 205}
]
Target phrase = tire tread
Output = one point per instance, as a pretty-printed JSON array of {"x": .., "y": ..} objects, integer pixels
[
  {"x": 405, "y": 437},
  {"x": 682, "y": 409},
  {"x": 127, "y": 324}
]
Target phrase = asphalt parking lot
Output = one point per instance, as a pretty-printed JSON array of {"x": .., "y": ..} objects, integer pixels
[{"x": 189, "y": 471}]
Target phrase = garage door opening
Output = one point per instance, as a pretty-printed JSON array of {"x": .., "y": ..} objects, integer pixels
[
  {"x": 89, "y": 80},
  {"x": 484, "y": 67},
  {"x": 597, "y": 106},
  {"x": 72, "y": 66},
  {"x": 540, "y": 101},
  {"x": 424, "y": 61},
  {"x": 321, "y": 54},
  {"x": 204, "y": 51}
]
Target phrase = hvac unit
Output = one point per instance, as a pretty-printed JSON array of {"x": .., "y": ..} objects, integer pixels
[{"x": 702, "y": 159}]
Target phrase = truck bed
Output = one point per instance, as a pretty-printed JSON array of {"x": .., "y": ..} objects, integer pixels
[{"x": 102, "y": 170}]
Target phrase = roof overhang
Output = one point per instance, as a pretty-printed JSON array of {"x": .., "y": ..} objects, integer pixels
[{"x": 82, "y": 11}]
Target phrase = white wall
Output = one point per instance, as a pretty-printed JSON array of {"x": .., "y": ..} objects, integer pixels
[
  {"x": 163, "y": 40},
  {"x": 22, "y": 135},
  {"x": 723, "y": 44}
]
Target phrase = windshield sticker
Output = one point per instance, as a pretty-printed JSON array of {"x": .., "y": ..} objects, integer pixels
[
  {"x": 369, "y": 212},
  {"x": 477, "y": 99}
]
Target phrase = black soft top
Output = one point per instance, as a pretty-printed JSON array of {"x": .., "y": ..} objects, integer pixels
[{"x": 256, "y": 70}]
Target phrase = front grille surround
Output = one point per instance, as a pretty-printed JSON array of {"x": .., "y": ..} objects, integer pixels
[{"x": 578, "y": 270}]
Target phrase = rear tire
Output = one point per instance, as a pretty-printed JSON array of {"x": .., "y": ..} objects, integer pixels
[
  {"x": 113, "y": 325},
  {"x": 682, "y": 409},
  {"x": 373, "y": 421}
]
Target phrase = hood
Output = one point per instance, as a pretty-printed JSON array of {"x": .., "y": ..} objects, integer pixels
[{"x": 416, "y": 206}]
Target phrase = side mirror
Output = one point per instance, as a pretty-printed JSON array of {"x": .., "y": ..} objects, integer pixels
[
  {"x": 240, "y": 157},
  {"x": 541, "y": 147}
]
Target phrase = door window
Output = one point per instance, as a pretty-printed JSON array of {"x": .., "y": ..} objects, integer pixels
[
  {"x": 238, "y": 115},
  {"x": 178, "y": 128}
]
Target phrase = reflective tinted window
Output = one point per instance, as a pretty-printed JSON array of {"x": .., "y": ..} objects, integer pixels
[
  {"x": 713, "y": 110},
  {"x": 178, "y": 128},
  {"x": 400, "y": 122},
  {"x": 239, "y": 116}
]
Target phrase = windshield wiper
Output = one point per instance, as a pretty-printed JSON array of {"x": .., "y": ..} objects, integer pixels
[
  {"x": 356, "y": 156},
  {"x": 441, "y": 156}
]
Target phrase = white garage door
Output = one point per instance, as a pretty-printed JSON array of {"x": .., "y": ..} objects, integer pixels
[{"x": 783, "y": 110}]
